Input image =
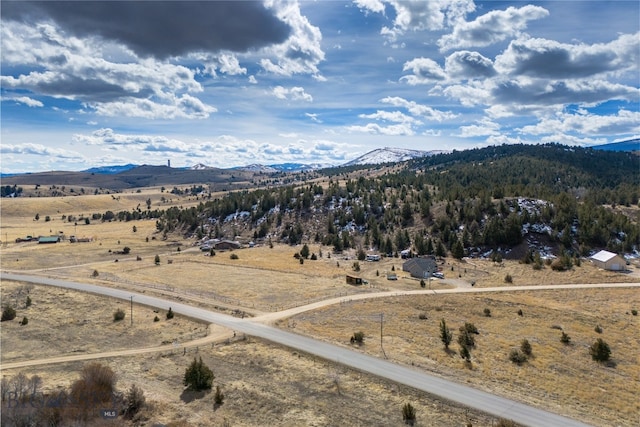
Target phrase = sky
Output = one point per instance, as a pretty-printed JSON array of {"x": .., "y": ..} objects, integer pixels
[{"x": 226, "y": 84}]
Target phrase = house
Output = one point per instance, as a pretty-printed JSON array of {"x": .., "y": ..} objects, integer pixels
[
  {"x": 219, "y": 244},
  {"x": 609, "y": 261},
  {"x": 48, "y": 239},
  {"x": 421, "y": 268},
  {"x": 227, "y": 244},
  {"x": 354, "y": 280}
]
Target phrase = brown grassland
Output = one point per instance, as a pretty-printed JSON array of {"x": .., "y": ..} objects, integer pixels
[{"x": 266, "y": 384}]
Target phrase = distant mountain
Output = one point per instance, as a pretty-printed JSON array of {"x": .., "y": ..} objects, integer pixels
[
  {"x": 108, "y": 170},
  {"x": 256, "y": 168},
  {"x": 390, "y": 155},
  {"x": 281, "y": 167},
  {"x": 630, "y": 145}
]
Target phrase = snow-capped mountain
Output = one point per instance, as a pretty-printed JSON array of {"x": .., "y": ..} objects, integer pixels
[
  {"x": 199, "y": 167},
  {"x": 390, "y": 155},
  {"x": 281, "y": 167}
]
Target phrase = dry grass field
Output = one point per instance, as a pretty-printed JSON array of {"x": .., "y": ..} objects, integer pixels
[
  {"x": 269, "y": 385},
  {"x": 559, "y": 377}
]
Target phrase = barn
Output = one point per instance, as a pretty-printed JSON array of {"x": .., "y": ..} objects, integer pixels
[{"x": 609, "y": 261}]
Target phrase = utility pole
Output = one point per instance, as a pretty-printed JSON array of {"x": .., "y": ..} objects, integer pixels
[{"x": 381, "y": 321}]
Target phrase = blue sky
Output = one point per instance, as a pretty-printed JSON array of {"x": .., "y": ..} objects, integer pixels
[{"x": 235, "y": 83}]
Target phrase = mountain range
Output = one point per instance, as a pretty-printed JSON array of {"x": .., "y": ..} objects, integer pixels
[{"x": 377, "y": 156}]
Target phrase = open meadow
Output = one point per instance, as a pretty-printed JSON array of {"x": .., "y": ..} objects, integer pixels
[{"x": 270, "y": 385}]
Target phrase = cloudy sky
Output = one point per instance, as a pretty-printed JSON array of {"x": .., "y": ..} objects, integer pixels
[{"x": 90, "y": 83}]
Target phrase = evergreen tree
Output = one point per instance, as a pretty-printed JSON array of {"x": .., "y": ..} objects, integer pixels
[
  {"x": 198, "y": 376},
  {"x": 445, "y": 334}
]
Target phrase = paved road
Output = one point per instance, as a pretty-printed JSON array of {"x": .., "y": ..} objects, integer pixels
[{"x": 486, "y": 402}]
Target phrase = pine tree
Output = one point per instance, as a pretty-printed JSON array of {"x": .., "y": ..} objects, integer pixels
[
  {"x": 445, "y": 334},
  {"x": 198, "y": 376}
]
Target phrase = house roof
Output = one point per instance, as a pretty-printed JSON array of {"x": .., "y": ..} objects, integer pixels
[
  {"x": 603, "y": 256},
  {"x": 48, "y": 239},
  {"x": 419, "y": 266}
]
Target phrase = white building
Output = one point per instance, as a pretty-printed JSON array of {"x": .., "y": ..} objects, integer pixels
[{"x": 609, "y": 261}]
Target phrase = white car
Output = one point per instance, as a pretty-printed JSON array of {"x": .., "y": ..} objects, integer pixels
[{"x": 438, "y": 275}]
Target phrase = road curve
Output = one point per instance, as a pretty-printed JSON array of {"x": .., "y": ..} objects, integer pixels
[{"x": 465, "y": 395}]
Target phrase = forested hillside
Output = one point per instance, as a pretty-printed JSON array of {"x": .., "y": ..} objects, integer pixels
[{"x": 457, "y": 204}]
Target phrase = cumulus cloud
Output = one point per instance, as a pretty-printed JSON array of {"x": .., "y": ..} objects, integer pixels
[
  {"x": 490, "y": 28},
  {"x": 425, "y": 71},
  {"x": 225, "y": 62},
  {"x": 550, "y": 93},
  {"x": 468, "y": 65},
  {"x": 76, "y": 70},
  {"x": 550, "y": 59},
  {"x": 418, "y": 15},
  {"x": 483, "y": 127},
  {"x": 302, "y": 51},
  {"x": 161, "y": 29},
  {"x": 390, "y": 116},
  {"x": 228, "y": 150},
  {"x": 294, "y": 93},
  {"x": 108, "y": 137},
  {"x": 376, "y": 6},
  {"x": 583, "y": 122},
  {"x": 184, "y": 106},
  {"x": 391, "y": 130},
  {"x": 419, "y": 110},
  {"x": 39, "y": 150}
]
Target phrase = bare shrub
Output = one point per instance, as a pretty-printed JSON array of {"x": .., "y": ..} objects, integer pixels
[{"x": 134, "y": 401}]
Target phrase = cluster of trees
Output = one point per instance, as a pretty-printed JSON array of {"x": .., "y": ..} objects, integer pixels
[
  {"x": 7, "y": 190},
  {"x": 450, "y": 203}
]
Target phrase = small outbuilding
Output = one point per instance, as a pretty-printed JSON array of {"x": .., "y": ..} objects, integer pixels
[
  {"x": 609, "y": 261},
  {"x": 48, "y": 239},
  {"x": 354, "y": 280},
  {"x": 421, "y": 268}
]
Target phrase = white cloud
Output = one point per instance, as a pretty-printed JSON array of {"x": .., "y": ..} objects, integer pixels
[
  {"x": 502, "y": 139},
  {"x": 107, "y": 137},
  {"x": 302, "y": 51},
  {"x": 39, "y": 150},
  {"x": 583, "y": 122},
  {"x": 391, "y": 130},
  {"x": 419, "y": 110},
  {"x": 484, "y": 127},
  {"x": 425, "y": 71},
  {"x": 294, "y": 93},
  {"x": 225, "y": 62},
  {"x": 390, "y": 116},
  {"x": 184, "y": 106},
  {"x": 376, "y": 6},
  {"x": 468, "y": 65},
  {"x": 314, "y": 117},
  {"x": 490, "y": 28},
  {"x": 418, "y": 15},
  {"x": 572, "y": 140},
  {"x": 30, "y": 102},
  {"x": 543, "y": 58},
  {"x": 76, "y": 69}
]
